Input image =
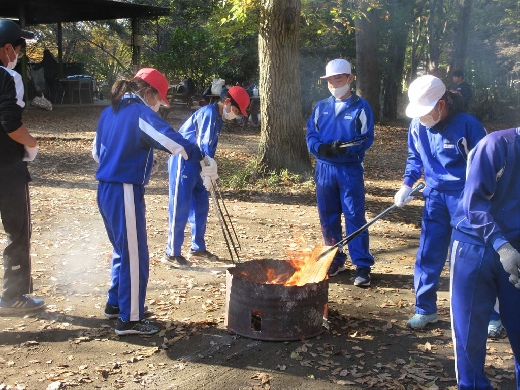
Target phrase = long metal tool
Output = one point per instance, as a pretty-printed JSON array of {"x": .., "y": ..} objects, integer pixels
[
  {"x": 232, "y": 243},
  {"x": 351, "y": 236}
]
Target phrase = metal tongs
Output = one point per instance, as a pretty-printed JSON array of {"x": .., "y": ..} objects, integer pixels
[
  {"x": 224, "y": 219},
  {"x": 354, "y": 142}
]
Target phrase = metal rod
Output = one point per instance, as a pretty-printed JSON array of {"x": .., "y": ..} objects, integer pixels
[{"x": 351, "y": 236}]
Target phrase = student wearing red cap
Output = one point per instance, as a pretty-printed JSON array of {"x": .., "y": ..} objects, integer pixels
[
  {"x": 186, "y": 185},
  {"x": 17, "y": 146},
  {"x": 127, "y": 133}
]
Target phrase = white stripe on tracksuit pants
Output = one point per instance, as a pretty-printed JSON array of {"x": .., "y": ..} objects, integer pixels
[{"x": 126, "y": 227}]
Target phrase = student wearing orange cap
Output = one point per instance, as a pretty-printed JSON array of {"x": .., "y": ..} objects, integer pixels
[
  {"x": 186, "y": 185},
  {"x": 127, "y": 133}
]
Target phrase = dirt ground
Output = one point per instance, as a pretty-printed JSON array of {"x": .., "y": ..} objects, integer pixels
[{"x": 72, "y": 345}]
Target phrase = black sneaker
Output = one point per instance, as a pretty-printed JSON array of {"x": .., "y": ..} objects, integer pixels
[
  {"x": 20, "y": 305},
  {"x": 176, "y": 261},
  {"x": 143, "y": 327},
  {"x": 335, "y": 269},
  {"x": 112, "y": 312},
  {"x": 362, "y": 278},
  {"x": 203, "y": 255}
]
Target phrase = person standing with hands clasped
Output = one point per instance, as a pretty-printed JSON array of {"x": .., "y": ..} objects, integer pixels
[
  {"x": 17, "y": 146},
  {"x": 440, "y": 137},
  {"x": 485, "y": 255},
  {"x": 188, "y": 196},
  {"x": 340, "y": 189},
  {"x": 127, "y": 133}
]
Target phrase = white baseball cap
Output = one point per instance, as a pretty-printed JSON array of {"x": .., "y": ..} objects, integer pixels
[
  {"x": 424, "y": 93},
  {"x": 335, "y": 67}
]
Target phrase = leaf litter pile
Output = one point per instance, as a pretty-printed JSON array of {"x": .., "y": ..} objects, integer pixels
[{"x": 365, "y": 343}]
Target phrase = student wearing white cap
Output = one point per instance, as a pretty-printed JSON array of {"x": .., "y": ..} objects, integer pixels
[
  {"x": 440, "y": 137},
  {"x": 340, "y": 188}
]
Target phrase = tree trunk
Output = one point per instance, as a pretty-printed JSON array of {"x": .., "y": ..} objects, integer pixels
[
  {"x": 458, "y": 57},
  {"x": 367, "y": 71},
  {"x": 282, "y": 139}
]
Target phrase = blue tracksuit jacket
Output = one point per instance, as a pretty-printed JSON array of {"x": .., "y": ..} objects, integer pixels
[
  {"x": 186, "y": 185},
  {"x": 441, "y": 152},
  {"x": 340, "y": 187},
  {"x": 124, "y": 148},
  {"x": 488, "y": 216}
]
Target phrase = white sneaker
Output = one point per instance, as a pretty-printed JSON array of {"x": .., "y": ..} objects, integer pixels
[{"x": 419, "y": 321}]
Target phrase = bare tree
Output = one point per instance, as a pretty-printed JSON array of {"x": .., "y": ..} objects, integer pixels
[
  {"x": 458, "y": 55},
  {"x": 367, "y": 70},
  {"x": 282, "y": 140}
]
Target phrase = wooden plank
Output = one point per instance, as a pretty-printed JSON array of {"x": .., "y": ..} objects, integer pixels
[{"x": 315, "y": 269}]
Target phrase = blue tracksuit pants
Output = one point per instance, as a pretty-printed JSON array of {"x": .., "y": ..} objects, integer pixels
[
  {"x": 340, "y": 189},
  {"x": 434, "y": 243},
  {"x": 477, "y": 279},
  {"x": 186, "y": 188},
  {"x": 123, "y": 210}
]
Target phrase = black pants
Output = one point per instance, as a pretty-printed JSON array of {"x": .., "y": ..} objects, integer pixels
[{"x": 16, "y": 219}]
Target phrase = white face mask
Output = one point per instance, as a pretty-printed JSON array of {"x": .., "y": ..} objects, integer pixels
[
  {"x": 428, "y": 120},
  {"x": 12, "y": 64},
  {"x": 340, "y": 92},
  {"x": 229, "y": 115}
]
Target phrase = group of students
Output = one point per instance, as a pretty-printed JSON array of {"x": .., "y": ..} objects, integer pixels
[
  {"x": 472, "y": 204},
  {"x": 472, "y": 186}
]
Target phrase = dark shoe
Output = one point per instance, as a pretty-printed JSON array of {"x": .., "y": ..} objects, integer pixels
[
  {"x": 176, "y": 261},
  {"x": 20, "y": 305},
  {"x": 362, "y": 278},
  {"x": 335, "y": 269},
  {"x": 112, "y": 312},
  {"x": 203, "y": 255},
  {"x": 144, "y": 327}
]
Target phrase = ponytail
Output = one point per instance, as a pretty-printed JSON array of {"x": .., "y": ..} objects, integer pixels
[{"x": 136, "y": 85}]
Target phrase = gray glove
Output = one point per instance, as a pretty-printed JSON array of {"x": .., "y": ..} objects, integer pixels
[{"x": 510, "y": 259}]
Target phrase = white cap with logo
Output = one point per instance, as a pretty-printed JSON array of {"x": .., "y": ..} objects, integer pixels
[{"x": 424, "y": 93}]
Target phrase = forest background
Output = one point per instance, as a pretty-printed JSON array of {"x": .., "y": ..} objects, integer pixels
[{"x": 283, "y": 45}]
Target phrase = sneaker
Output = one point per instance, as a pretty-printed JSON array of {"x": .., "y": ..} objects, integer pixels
[
  {"x": 419, "y": 321},
  {"x": 362, "y": 277},
  {"x": 20, "y": 305},
  {"x": 335, "y": 269},
  {"x": 203, "y": 255},
  {"x": 144, "y": 327},
  {"x": 112, "y": 312},
  {"x": 176, "y": 261},
  {"x": 495, "y": 329}
]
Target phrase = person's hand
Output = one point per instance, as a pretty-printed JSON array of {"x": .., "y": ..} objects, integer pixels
[
  {"x": 402, "y": 196},
  {"x": 510, "y": 259},
  {"x": 30, "y": 153},
  {"x": 208, "y": 183},
  {"x": 209, "y": 168},
  {"x": 332, "y": 149}
]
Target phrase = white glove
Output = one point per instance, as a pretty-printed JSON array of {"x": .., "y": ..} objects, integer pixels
[
  {"x": 208, "y": 183},
  {"x": 209, "y": 168},
  {"x": 30, "y": 153},
  {"x": 402, "y": 196},
  {"x": 510, "y": 259}
]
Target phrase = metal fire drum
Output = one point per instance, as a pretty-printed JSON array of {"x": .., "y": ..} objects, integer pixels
[{"x": 261, "y": 310}]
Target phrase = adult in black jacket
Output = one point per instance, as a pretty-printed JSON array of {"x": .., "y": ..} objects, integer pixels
[{"x": 17, "y": 147}]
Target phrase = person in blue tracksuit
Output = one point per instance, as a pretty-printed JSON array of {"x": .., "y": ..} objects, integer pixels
[
  {"x": 439, "y": 139},
  {"x": 127, "y": 133},
  {"x": 185, "y": 183},
  {"x": 339, "y": 175},
  {"x": 485, "y": 257}
]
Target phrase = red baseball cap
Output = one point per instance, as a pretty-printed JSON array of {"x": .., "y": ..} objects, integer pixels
[
  {"x": 157, "y": 80},
  {"x": 240, "y": 96}
]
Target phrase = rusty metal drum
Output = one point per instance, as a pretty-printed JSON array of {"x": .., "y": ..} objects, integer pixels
[{"x": 260, "y": 309}]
